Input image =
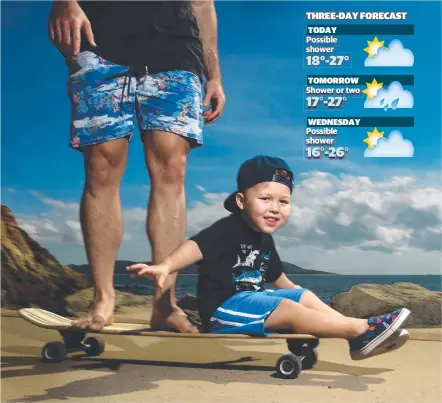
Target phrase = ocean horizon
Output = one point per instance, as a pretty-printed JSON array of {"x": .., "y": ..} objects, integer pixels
[{"x": 325, "y": 286}]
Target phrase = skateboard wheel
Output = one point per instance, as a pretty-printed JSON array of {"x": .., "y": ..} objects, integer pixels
[
  {"x": 94, "y": 346},
  {"x": 53, "y": 352},
  {"x": 309, "y": 358},
  {"x": 289, "y": 366}
]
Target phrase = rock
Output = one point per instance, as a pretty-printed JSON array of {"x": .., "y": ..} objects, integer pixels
[
  {"x": 188, "y": 303},
  {"x": 78, "y": 303},
  {"x": 365, "y": 300},
  {"x": 31, "y": 276}
]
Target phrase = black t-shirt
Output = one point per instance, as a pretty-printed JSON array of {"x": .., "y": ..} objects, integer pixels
[
  {"x": 160, "y": 35},
  {"x": 235, "y": 258}
]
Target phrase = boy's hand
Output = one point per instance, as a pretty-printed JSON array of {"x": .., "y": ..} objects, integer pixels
[{"x": 157, "y": 273}]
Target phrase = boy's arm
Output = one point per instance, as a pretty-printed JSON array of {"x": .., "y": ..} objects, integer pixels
[
  {"x": 284, "y": 282},
  {"x": 185, "y": 255}
]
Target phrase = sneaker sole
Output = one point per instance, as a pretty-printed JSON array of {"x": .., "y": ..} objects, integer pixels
[
  {"x": 397, "y": 340},
  {"x": 385, "y": 334}
]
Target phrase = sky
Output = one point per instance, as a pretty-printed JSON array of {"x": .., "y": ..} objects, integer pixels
[{"x": 357, "y": 215}]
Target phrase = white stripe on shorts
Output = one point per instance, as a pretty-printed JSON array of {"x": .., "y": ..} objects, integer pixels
[
  {"x": 237, "y": 324},
  {"x": 246, "y": 315}
]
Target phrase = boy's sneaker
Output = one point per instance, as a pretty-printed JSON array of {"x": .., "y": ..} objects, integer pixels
[
  {"x": 380, "y": 329},
  {"x": 395, "y": 341}
]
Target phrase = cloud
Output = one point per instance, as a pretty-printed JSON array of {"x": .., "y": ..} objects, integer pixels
[
  {"x": 394, "y": 97},
  {"x": 10, "y": 190},
  {"x": 395, "y": 55},
  {"x": 200, "y": 188},
  {"x": 59, "y": 204},
  {"x": 350, "y": 213},
  {"x": 395, "y": 146},
  {"x": 47, "y": 230},
  {"x": 340, "y": 223},
  {"x": 60, "y": 225},
  {"x": 136, "y": 214}
]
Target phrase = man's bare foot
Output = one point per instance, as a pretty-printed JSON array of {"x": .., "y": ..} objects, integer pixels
[
  {"x": 176, "y": 320},
  {"x": 100, "y": 315}
]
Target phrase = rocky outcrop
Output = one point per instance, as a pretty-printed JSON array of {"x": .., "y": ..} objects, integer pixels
[
  {"x": 189, "y": 304},
  {"x": 365, "y": 300},
  {"x": 31, "y": 276}
]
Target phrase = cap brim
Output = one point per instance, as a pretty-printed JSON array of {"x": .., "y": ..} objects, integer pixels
[{"x": 230, "y": 203}]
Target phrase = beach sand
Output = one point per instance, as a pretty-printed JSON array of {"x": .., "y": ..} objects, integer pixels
[{"x": 144, "y": 369}]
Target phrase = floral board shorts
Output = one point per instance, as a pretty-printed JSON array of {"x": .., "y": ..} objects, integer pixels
[{"x": 108, "y": 98}]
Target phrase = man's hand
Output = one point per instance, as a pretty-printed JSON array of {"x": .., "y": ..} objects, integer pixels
[
  {"x": 157, "y": 273},
  {"x": 214, "y": 98},
  {"x": 66, "y": 22}
]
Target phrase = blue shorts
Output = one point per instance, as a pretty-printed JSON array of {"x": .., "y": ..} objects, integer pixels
[
  {"x": 245, "y": 312},
  {"x": 106, "y": 99}
]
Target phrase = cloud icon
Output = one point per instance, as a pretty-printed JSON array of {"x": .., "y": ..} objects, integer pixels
[
  {"x": 394, "y": 55},
  {"x": 394, "y": 97},
  {"x": 395, "y": 146}
]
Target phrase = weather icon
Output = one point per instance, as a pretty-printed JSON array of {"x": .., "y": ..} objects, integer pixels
[
  {"x": 373, "y": 47},
  {"x": 393, "y": 97},
  {"x": 393, "y": 146},
  {"x": 373, "y": 137},
  {"x": 394, "y": 54},
  {"x": 372, "y": 89}
]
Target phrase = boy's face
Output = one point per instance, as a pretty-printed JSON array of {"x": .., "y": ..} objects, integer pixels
[{"x": 266, "y": 206}]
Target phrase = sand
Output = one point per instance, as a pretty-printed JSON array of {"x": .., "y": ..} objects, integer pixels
[{"x": 144, "y": 369}]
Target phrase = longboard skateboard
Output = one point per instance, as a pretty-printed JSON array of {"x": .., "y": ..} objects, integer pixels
[{"x": 302, "y": 346}]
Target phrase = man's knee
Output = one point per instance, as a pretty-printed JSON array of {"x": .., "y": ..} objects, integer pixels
[
  {"x": 169, "y": 171},
  {"x": 104, "y": 166}
]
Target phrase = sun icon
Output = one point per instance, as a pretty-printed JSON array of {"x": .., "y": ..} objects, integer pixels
[
  {"x": 373, "y": 137},
  {"x": 373, "y": 47},
  {"x": 372, "y": 89}
]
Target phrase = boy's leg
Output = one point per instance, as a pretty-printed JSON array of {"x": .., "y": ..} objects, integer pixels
[
  {"x": 170, "y": 116},
  {"x": 293, "y": 316},
  {"x": 259, "y": 312},
  {"x": 102, "y": 123},
  {"x": 310, "y": 300},
  {"x": 371, "y": 341}
]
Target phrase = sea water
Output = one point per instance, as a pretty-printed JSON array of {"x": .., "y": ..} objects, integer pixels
[{"x": 325, "y": 286}]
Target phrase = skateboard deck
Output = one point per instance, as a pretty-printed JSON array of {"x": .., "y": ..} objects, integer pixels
[
  {"x": 50, "y": 320},
  {"x": 302, "y": 346}
]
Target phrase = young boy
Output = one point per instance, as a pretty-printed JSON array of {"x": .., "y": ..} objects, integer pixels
[{"x": 237, "y": 256}]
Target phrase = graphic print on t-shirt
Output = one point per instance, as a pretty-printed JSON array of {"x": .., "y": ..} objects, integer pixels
[
  {"x": 249, "y": 260},
  {"x": 264, "y": 262},
  {"x": 249, "y": 279}
]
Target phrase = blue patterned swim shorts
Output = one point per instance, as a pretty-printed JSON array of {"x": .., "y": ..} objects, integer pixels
[{"x": 106, "y": 98}]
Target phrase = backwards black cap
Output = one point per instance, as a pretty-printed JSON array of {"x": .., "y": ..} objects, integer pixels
[{"x": 257, "y": 170}]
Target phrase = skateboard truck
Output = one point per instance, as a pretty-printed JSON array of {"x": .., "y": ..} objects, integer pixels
[
  {"x": 304, "y": 356},
  {"x": 73, "y": 342}
]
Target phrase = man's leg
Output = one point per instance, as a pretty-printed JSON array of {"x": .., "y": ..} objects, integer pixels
[
  {"x": 166, "y": 158},
  {"x": 101, "y": 222}
]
